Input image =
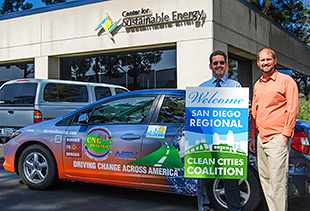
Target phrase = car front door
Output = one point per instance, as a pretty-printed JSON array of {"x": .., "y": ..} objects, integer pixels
[{"x": 110, "y": 141}]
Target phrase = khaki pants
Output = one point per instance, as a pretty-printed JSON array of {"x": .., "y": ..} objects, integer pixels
[{"x": 272, "y": 160}]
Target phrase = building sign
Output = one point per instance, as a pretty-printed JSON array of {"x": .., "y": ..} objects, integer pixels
[
  {"x": 145, "y": 17},
  {"x": 216, "y": 132},
  {"x": 108, "y": 24}
]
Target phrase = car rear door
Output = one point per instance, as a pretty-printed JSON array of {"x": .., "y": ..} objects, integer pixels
[
  {"x": 161, "y": 148},
  {"x": 111, "y": 140}
]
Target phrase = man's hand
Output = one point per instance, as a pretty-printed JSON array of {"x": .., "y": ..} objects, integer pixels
[
  {"x": 252, "y": 145},
  {"x": 285, "y": 138}
]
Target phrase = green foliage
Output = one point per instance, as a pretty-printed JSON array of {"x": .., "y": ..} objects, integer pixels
[
  {"x": 303, "y": 83},
  {"x": 290, "y": 14},
  {"x": 50, "y": 2},
  {"x": 14, "y": 6},
  {"x": 20, "y": 5},
  {"x": 304, "y": 108}
]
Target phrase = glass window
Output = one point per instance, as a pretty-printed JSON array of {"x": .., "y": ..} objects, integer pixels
[
  {"x": 16, "y": 71},
  {"x": 102, "y": 92},
  {"x": 18, "y": 93},
  {"x": 172, "y": 110},
  {"x": 120, "y": 91},
  {"x": 54, "y": 92},
  {"x": 232, "y": 69},
  {"x": 122, "y": 111},
  {"x": 75, "y": 118},
  {"x": 135, "y": 70}
]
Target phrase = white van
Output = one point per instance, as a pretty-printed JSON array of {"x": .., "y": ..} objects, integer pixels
[{"x": 27, "y": 101}]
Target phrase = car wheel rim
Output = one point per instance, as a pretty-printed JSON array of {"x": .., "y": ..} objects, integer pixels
[
  {"x": 219, "y": 192},
  {"x": 35, "y": 167}
]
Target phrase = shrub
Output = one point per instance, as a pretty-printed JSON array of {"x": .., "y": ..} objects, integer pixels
[{"x": 304, "y": 110}]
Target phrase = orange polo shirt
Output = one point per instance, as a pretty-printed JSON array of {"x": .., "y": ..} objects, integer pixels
[{"x": 274, "y": 107}]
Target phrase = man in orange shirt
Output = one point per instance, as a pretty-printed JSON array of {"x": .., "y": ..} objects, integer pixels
[{"x": 274, "y": 111}]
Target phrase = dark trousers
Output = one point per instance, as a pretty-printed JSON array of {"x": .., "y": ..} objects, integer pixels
[{"x": 232, "y": 194}]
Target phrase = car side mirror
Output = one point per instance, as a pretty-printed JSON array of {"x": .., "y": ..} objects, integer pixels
[{"x": 83, "y": 119}]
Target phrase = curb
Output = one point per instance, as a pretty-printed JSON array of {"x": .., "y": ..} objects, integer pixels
[
  {"x": 1, "y": 151},
  {"x": 1, "y": 163}
]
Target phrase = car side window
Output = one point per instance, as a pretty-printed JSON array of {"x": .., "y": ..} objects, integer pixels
[
  {"x": 172, "y": 110},
  {"x": 54, "y": 92},
  {"x": 120, "y": 91},
  {"x": 122, "y": 111},
  {"x": 102, "y": 92},
  {"x": 75, "y": 119}
]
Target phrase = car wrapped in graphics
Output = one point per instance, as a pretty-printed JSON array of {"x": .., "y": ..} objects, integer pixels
[{"x": 134, "y": 139}]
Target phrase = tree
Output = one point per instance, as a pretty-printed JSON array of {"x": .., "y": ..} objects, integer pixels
[
  {"x": 50, "y": 2},
  {"x": 290, "y": 14},
  {"x": 303, "y": 83},
  {"x": 295, "y": 18},
  {"x": 27, "y": 69},
  {"x": 14, "y": 6},
  {"x": 79, "y": 67}
]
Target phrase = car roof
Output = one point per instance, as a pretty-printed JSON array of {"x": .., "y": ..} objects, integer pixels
[{"x": 44, "y": 81}]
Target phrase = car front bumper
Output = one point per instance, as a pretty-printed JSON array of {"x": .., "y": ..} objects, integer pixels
[{"x": 10, "y": 149}]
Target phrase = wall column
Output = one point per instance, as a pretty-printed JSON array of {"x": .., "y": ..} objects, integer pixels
[{"x": 47, "y": 67}]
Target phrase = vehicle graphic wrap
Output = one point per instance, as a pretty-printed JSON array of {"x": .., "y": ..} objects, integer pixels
[
  {"x": 154, "y": 131},
  {"x": 98, "y": 142},
  {"x": 73, "y": 147},
  {"x": 179, "y": 183},
  {"x": 166, "y": 156}
]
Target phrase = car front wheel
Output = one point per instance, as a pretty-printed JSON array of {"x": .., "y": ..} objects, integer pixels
[
  {"x": 37, "y": 167},
  {"x": 250, "y": 192}
]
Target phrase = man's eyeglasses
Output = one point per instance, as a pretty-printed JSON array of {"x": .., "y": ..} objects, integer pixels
[{"x": 216, "y": 63}]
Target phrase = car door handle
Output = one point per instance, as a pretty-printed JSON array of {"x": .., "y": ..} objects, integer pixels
[
  {"x": 130, "y": 136},
  {"x": 11, "y": 112}
]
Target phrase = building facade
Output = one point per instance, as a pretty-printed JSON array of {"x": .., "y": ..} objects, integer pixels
[{"x": 142, "y": 44}]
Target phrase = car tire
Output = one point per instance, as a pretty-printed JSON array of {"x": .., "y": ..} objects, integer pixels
[
  {"x": 250, "y": 192},
  {"x": 37, "y": 167}
]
